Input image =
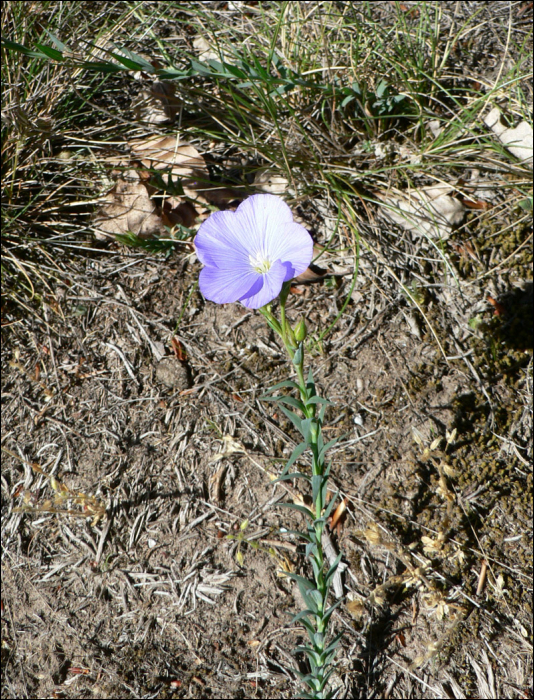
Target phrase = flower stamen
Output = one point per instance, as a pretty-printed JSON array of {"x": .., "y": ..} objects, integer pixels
[{"x": 260, "y": 264}]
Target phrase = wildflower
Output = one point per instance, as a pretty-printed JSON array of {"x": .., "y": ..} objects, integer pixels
[{"x": 248, "y": 254}]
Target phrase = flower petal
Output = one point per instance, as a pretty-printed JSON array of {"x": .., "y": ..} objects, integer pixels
[
  {"x": 272, "y": 285},
  {"x": 260, "y": 218},
  {"x": 283, "y": 239},
  {"x": 226, "y": 285},
  {"x": 295, "y": 247},
  {"x": 218, "y": 240}
]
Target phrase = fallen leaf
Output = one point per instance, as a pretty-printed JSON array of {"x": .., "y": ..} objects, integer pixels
[
  {"x": 524, "y": 8},
  {"x": 474, "y": 203},
  {"x": 181, "y": 161},
  {"x": 295, "y": 290},
  {"x": 230, "y": 446},
  {"x": 518, "y": 140},
  {"x": 435, "y": 127},
  {"x": 216, "y": 483},
  {"x": 178, "y": 349},
  {"x": 206, "y": 52},
  {"x": 338, "y": 513},
  {"x": 186, "y": 167},
  {"x": 157, "y": 104},
  {"x": 498, "y": 308},
  {"x": 430, "y": 211},
  {"x": 128, "y": 208},
  {"x": 313, "y": 273},
  {"x": 465, "y": 249},
  {"x": 356, "y": 608},
  {"x": 270, "y": 182},
  {"x": 176, "y": 213}
]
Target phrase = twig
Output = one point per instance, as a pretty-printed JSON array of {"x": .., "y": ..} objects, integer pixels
[{"x": 125, "y": 361}]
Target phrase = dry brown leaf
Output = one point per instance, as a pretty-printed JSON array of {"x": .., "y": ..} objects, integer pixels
[
  {"x": 429, "y": 211},
  {"x": 185, "y": 164},
  {"x": 176, "y": 213},
  {"x": 128, "y": 208},
  {"x": 271, "y": 182},
  {"x": 313, "y": 273},
  {"x": 205, "y": 50},
  {"x": 157, "y": 104},
  {"x": 182, "y": 160},
  {"x": 518, "y": 141}
]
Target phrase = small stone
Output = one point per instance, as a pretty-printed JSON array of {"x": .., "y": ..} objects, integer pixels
[{"x": 173, "y": 373}]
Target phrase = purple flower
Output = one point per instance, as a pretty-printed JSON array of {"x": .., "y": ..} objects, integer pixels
[{"x": 248, "y": 254}]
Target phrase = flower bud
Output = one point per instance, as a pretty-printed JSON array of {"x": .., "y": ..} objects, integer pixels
[
  {"x": 291, "y": 337},
  {"x": 300, "y": 330}
]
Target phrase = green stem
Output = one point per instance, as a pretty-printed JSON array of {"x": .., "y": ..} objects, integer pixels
[{"x": 295, "y": 350}]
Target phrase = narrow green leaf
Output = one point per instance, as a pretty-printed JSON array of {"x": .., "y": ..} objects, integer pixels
[
  {"x": 328, "y": 445},
  {"x": 332, "y": 570},
  {"x": 201, "y": 68},
  {"x": 274, "y": 399},
  {"x": 320, "y": 440},
  {"x": 326, "y": 470},
  {"x": 13, "y": 46},
  {"x": 297, "y": 533},
  {"x": 102, "y": 67},
  {"x": 294, "y": 506},
  {"x": 333, "y": 644},
  {"x": 216, "y": 65},
  {"x": 328, "y": 659},
  {"x": 132, "y": 65},
  {"x": 318, "y": 640},
  {"x": 330, "y": 507},
  {"x": 317, "y": 573},
  {"x": 325, "y": 680},
  {"x": 301, "y": 580},
  {"x": 273, "y": 324},
  {"x": 317, "y": 598},
  {"x": 280, "y": 385},
  {"x": 306, "y": 425},
  {"x": 310, "y": 385},
  {"x": 328, "y": 613},
  {"x": 297, "y": 358},
  {"x": 309, "y": 602},
  {"x": 299, "y": 449},
  {"x": 233, "y": 71},
  {"x": 259, "y": 70},
  {"x": 317, "y": 482},
  {"x": 307, "y": 678},
  {"x": 296, "y": 420},
  {"x": 302, "y": 617},
  {"x": 282, "y": 89},
  {"x": 175, "y": 74},
  {"x": 148, "y": 67},
  {"x": 293, "y": 475},
  {"x": 19, "y": 48},
  {"x": 320, "y": 399},
  {"x": 311, "y": 548},
  {"x": 290, "y": 400},
  {"x": 49, "y": 52},
  {"x": 312, "y": 655},
  {"x": 58, "y": 44}
]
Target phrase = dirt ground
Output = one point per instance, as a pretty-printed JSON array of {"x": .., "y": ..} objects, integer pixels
[{"x": 150, "y": 560}]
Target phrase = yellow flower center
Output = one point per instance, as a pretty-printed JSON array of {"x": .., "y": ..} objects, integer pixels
[{"x": 260, "y": 264}]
